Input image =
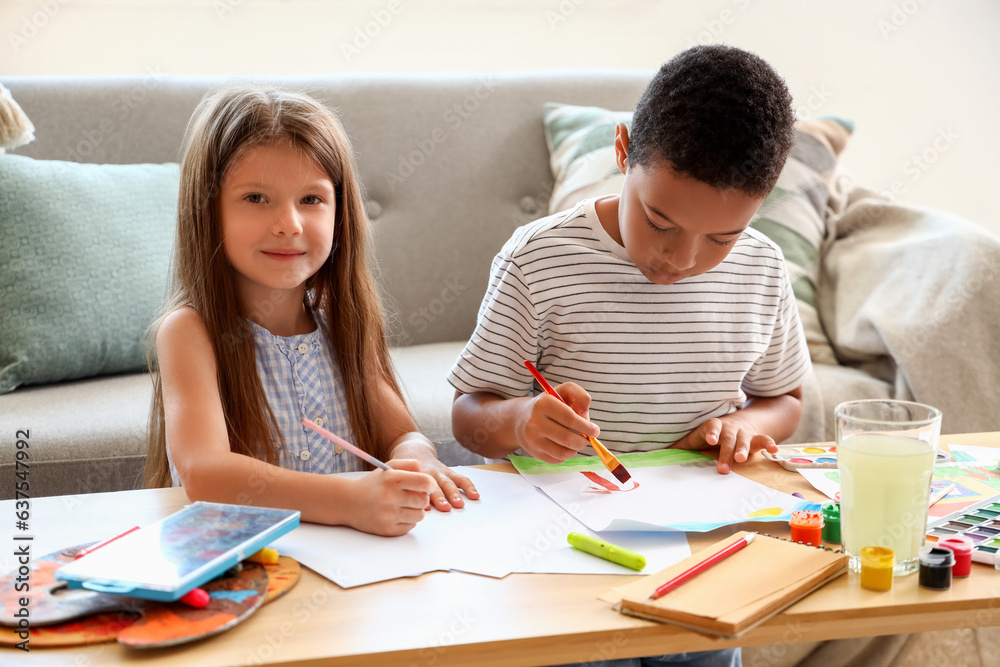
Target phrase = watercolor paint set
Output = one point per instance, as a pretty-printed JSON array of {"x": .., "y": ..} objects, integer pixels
[
  {"x": 823, "y": 455},
  {"x": 793, "y": 457},
  {"x": 979, "y": 522}
]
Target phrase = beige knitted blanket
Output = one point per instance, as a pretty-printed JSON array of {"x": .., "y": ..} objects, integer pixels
[{"x": 912, "y": 296}]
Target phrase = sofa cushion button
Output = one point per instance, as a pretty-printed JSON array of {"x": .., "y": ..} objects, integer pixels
[
  {"x": 529, "y": 205},
  {"x": 373, "y": 209}
]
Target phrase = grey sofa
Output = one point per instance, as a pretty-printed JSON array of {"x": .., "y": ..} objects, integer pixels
[{"x": 451, "y": 165}]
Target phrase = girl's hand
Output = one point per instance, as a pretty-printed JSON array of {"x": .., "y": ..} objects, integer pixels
[
  {"x": 549, "y": 429},
  {"x": 391, "y": 502},
  {"x": 449, "y": 482},
  {"x": 737, "y": 441}
]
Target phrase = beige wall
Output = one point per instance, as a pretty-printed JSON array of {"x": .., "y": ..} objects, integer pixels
[{"x": 921, "y": 78}]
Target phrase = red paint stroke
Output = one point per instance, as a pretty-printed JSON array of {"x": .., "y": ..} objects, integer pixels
[{"x": 605, "y": 486}]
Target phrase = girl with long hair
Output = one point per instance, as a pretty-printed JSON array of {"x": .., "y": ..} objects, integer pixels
[{"x": 274, "y": 315}]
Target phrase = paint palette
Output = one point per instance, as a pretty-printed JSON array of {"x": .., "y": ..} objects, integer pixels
[
  {"x": 979, "y": 522},
  {"x": 794, "y": 457}
]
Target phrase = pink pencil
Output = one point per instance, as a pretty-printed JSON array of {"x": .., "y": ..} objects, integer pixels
[{"x": 360, "y": 453}]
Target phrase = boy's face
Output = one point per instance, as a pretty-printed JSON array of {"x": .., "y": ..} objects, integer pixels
[{"x": 673, "y": 226}]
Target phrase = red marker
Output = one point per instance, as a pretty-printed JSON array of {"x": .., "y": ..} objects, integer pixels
[{"x": 702, "y": 566}]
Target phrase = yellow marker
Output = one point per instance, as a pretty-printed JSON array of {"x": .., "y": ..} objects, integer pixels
[
  {"x": 266, "y": 556},
  {"x": 607, "y": 551}
]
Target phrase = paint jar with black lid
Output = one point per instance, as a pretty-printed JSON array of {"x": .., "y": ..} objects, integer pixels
[{"x": 935, "y": 568}]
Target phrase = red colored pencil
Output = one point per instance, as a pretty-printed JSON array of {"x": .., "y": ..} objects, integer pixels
[
  {"x": 702, "y": 566},
  {"x": 95, "y": 547},
  {"x": 609, "y": 459}
]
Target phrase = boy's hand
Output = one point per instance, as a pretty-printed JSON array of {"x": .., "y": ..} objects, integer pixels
[
  {"x": 449, "y": 482},
  {"x": 736, "y": 441},
  {"x": 550, "y": 430},
  {"x": 391, "y": 502}
]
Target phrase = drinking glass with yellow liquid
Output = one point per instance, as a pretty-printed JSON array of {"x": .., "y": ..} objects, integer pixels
[{"x": 885, "y": 455}]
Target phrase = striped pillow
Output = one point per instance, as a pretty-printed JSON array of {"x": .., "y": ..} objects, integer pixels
[{"x": 581, "y": 153}]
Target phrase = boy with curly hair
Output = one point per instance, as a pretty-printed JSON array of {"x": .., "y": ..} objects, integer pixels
[
  {"x": 662, "y": 316},
  {"x": 658, "y": 313}
]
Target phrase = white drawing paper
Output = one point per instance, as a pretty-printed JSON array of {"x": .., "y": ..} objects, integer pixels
[
  {"x": 512, "y": 528},
  {"x": 670, "y": 490}
]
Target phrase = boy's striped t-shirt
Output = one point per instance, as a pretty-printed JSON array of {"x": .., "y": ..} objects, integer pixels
[{"x": 657, "y": 360}]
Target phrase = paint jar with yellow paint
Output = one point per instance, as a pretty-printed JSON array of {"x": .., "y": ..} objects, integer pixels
[{"x": 876, "y": 568}]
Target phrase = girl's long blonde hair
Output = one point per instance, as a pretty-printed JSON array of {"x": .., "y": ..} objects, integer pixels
[{"x": 229, "y": 121}]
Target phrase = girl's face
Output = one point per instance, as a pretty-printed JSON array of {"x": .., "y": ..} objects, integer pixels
[{"x": 278, "y": 207}]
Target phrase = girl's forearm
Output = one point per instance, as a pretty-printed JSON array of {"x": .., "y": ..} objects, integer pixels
[
  {"x": 412, "y": 445},
  {"x": 242, "y": 480}
]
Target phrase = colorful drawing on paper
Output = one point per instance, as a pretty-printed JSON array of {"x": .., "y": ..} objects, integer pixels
[
  {"x": 974, "y": 454},
  {"x": 670, "y": 490},
  {"x": 604, "y": 485}
]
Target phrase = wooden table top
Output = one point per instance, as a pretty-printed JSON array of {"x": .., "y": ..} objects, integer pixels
[{"x": 450, "y": 618}]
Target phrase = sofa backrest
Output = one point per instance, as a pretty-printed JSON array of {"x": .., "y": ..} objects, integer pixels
[{"x": 451, "y": 163}]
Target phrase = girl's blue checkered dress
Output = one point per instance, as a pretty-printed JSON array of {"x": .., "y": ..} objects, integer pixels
[{"x": 300, "y": 379}]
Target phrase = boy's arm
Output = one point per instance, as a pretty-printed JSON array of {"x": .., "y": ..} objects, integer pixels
[
  {"x": 760, "y": 424},
  {"x": 543, "y": 426}
]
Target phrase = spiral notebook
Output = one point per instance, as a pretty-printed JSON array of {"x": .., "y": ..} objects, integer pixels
[{"x": 738, "y": 593}]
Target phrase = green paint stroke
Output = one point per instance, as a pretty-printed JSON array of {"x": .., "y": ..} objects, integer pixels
[{"x": 658, "y": 458}]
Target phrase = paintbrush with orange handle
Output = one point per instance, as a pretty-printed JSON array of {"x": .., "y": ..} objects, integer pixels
[{"x": 609, "y": 460}]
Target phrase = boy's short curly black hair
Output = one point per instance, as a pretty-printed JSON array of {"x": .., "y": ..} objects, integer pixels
[{"x": 718, "y": 114}]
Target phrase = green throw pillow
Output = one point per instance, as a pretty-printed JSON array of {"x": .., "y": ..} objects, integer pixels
[
  {"x": 83, "y": 266},
  {"x": 581, "y": 152}
]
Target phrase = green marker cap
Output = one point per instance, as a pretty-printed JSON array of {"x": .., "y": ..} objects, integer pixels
[{"x": 607, "y": 551}]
